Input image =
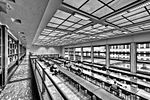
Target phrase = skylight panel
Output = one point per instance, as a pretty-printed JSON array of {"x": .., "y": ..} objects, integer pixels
[
  {"x": 146, "y": 26},
  {"x": 120, "y": 21},
  {"x": 91, "y": 6},
  {"x": 140, "y": 15},
  {"x": 66, "y": 23},
  {"x": 88, "y": 28},
  {"x": 102, "y": 12},
  {"x": 75, "y": 3},
  {"x": 117, "y": 4},
  {"x": 84, "y": 22},
  {"x": 46, "y": 38},
  {"x": 123, "y": 24},
  {"x": 62, "y": 14},
  {"x": 96, "y": 25},
  {"x": 52, "y": 25},
  {"x": 53, "y": 34},
  {"x": 142, "y": 19},
  {"x": 116, "y": 17},
  {"x": 56, "y": 20},
  {"x": 73, "y": 19},
  {"x": 77, "y": 25},
  {"x": 47, "y": 30},
  {"x": 102, "y": 27},
  {"x": 134, "y": 12},
  {"x": 71, "y": 29},
  {"x": 41, "y": 37},
  {"x": 62, "y": 27},
  {"x": 134, "y": 29}
]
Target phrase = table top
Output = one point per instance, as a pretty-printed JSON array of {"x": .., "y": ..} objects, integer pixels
[{"x": 99, "y": 92}]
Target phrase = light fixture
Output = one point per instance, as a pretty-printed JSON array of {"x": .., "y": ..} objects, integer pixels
[
  {"x": 81, "y": 16},
  {"x": 16, "y": 20},
  {"x": 12, "y": 1}
]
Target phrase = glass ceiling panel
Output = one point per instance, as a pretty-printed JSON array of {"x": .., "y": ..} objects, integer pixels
[
  {"x": 123, "y": 24},
  {"x": 62, "y": 14},
  {"x": 44, "y": 33},
  {"x": 106, "y": 1},
  {"x": 117, "y": 4},
  {"x": 84, "y": 22},
  {"x": 73, "y": 19},
  {"x": 47, "y": 30},
  {"x": 53, "y": 33},
  {"x": 46, "y": 38},
  {"x": 114, "y": 18},
  {"x": 96, "y": 25},
  {"x": 142, "y": 19},
  {"x": 41, "y": 37},
  {"x": 118, "y": 32},
  {"x": 146, "y": 26},
  {"x": 75, "y": 3},
  {"x": 108, "y": 33},
  {"x": 56, "y": 20},
  {"x": 134, "y": 29},
  {"x": 88, "y": 28},
  {"x": 134, "y": 12},
  {"x": 91, "y": 6},
  {"x": 102, "y": 12},
  {"x": 138, "y": 16},
  {"x": 66, "y": 23},
  {"x": 120, "y": 21},
  {"x": 62, "y": 27},
  {"x": 77, "y": 25},
  {"x": 52, "y": 25},
  {"x": 71, "y": 29}
]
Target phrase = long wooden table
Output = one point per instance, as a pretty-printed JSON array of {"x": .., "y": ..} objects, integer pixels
[{"x": 97, "y": 91}]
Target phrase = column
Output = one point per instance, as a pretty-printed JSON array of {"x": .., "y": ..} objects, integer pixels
[
  {"x": 92, "y": 54},
  {"x": 74, "y": 54},
  {"x": 81, "y": 54},
  {"x": 107, "y": 56},
  {"x": 18, "y": 51},
  {"x": 133, "y": 66},
  {"x": 4, "y": 54}
]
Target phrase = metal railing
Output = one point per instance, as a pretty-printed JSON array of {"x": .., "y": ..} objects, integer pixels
[{"x": 40, "y": 74}]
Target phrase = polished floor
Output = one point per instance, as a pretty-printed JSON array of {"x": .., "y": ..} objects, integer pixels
[{"x": 19, "y": 86}]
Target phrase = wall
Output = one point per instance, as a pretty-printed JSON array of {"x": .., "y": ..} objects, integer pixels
[
  {"x": 45, "y": 50},
  {"x": 139, "y": 37}
]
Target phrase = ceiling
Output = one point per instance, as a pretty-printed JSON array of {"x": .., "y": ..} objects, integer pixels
[
  {"x": 30, "y": 12},
  {"x": 66, "y": 22}
]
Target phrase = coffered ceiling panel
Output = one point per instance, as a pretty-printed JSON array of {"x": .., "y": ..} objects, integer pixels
[{"x": 78, "y": 21}]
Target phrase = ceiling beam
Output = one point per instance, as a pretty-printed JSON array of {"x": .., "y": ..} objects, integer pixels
[{"x": 52, "y": 7}]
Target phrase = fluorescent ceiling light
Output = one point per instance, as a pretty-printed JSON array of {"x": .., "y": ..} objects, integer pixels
[{"x": 81, "y": 16}]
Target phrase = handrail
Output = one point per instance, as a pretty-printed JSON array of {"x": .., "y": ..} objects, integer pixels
[
  {"x": 43, "y": 82},
  {"x": 60, "y": 91}
]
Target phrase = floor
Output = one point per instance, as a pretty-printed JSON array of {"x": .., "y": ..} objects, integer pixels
[{"x": 19, "y": 86}]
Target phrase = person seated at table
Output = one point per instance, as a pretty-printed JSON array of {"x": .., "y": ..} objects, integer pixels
[
  {"x": 52, "y": 68},
  {"x": 79, "y": 72},
  {"x": 114, "y": 88},
  {"x": 55, "y": 71},
  {"x": 104, "y": 68}
]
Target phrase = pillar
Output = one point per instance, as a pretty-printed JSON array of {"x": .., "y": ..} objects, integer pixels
[
  {"x": 107, "y": 56},
  {"x": 133, "y": 66},
  {"x": 4, "y": 54}
]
